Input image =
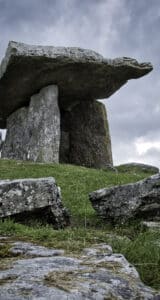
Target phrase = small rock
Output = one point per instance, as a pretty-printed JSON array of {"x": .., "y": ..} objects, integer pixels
[{"x": 151, "y": 225}]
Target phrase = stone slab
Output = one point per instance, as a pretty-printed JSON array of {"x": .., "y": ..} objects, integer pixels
[
  {"x": 79, "y": 73},
  {"x": 122, "y": 203},
  {"x": 32, "y": 199},
  {"x": 96, "y": 274}
]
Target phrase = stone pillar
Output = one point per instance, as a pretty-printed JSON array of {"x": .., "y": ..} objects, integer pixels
[
  {"x": 33, "y": 133},
  {"x": 86, "y": 138}
]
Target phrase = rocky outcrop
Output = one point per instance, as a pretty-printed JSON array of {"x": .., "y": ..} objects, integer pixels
[
  {"x": 125, "y": 202},
  {"x": 34, "y": 131},
  {"x": 27, "y": 200},
  {"x": 44, "y": 273}
]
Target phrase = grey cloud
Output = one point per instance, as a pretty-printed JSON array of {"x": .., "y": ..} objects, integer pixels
[{"x": 153, "y": 151}]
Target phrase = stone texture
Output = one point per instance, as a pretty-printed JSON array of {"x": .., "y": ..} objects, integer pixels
[
  {"x": 79, "y": 73},
  {"x": 33, "y": 199},
  {"x": 96, "y": 274},
  {"x": 138, "y": 166},
  {"x": 152, "y": 226},
  {"x": 87, "y": 141},
  {"x": 136, "y": 200},
  {"x": 33, "y": 133},
  {"x": 29, "y": 249},
  {"x": 1, "y": 142}
]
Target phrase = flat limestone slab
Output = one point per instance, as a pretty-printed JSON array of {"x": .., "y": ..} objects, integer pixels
[
  {"x": 46, "y": 274},
  {"x": 79, "y": 73}
]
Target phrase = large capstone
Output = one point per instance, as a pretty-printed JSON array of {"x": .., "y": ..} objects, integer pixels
[
  {"x": 122, "y": 203},
  {"x": 28, "y": 200},
  {"x": 33, "y": 132},
  {"x": 80, "y": 74}
]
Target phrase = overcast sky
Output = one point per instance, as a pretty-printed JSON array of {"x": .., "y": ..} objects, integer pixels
[{"x": 114, "y": 28}]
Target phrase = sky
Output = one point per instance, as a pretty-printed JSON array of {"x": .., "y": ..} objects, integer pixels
[{"x": 114, "y": 28}]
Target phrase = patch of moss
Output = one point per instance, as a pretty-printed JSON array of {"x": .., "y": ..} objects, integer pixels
[
  {"x": 5, "y": 250},
  {"x": 64, "y": 280},
  {"x": 8, "y": 279}
]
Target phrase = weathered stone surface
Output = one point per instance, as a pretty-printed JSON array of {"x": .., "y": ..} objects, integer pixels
[
  {"x": 138, "y": 166},
  {"x": 87, "y": 142},
  {"x": 33, "y": 133},
  {"x": 152, "y": 226},
  {"x": 33, "y": 199},
  {"x": 1, "y": 143},
  {"x": 80, "y": 75},
  {"x": 125, "y": 202},
  {"x": 29, "y": 249},
  {"x": 97, "y": 274}
]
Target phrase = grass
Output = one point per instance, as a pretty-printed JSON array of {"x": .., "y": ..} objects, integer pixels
[{"x": 140, "y": 247}]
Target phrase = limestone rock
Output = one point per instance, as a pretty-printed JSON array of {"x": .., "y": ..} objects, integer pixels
[
  {"x": 79, "y": 73},
  {"x": 32, "y": 199},
  {"x": 29, "y": 249},
  {"x": 33, "y": 133},
  {"x": 89, "y": 142},
  {"x": 96, "y": 274},
  {"x": 152, "y": 226},
  {"x": 135, "y": 200},
  {"x": 1, "y": 142}
]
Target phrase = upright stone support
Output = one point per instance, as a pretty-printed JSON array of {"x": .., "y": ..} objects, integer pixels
[
  {"x": 33, "y": 132},
  {"x": 89, "y": 139}
]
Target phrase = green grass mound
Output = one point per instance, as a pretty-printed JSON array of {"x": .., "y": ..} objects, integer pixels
[{"x": 140, "y": 247}]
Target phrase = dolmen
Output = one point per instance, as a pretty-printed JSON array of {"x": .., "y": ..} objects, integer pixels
[{"x": 48, "y": 103}]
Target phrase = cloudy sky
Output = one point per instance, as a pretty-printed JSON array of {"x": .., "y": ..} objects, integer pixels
[{"x": 113, "y": 28}]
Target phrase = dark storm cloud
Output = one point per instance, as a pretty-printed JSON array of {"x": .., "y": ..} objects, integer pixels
[{"x": 113, "y": 28}]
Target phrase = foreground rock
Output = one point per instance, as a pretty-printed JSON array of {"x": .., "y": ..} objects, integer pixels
[
  {"x": 44, "y": 273},
  {"x": 33, "y": 199},
  {"x": 134, "y": 167},
  {"x": 136, "y": 200}
]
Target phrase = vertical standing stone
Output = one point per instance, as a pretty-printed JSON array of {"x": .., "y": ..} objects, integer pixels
[
  {"x": 15, "y": 145},
  {"x": 90, "y": 143},
  {"x": 33, "y": 132}
]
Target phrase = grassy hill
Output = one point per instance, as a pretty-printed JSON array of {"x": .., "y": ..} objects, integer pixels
[{"x": 138, "y": 245}]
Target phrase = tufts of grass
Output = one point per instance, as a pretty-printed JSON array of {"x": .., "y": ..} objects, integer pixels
[
  {"x": 140, "y": 247},
  {"x": 5, "y": 250},
  {"x": 75, "y": 182},
  {"x": 144, "y": 253}
]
